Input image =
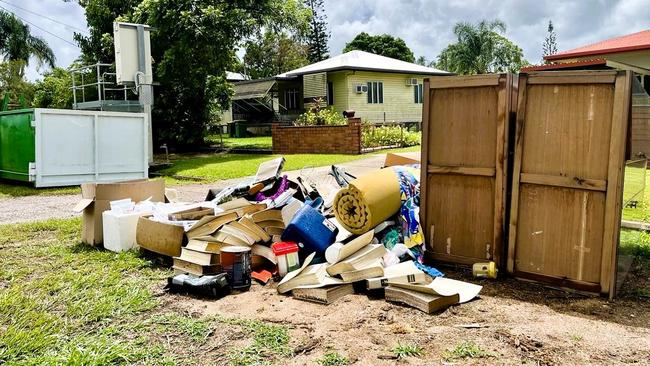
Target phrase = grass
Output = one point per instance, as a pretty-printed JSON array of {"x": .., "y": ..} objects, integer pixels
[
  {"x": 635, "y": 243},
  {"x": 576, "y": 337},
  {"x": 215, "y": 167},
  {"x": 466, "y": 350},
  {"x": 333, "y": 358},
  {"x": 259, "y": 142},
  {"x": 62, "y": 302},
  {"x": 10, "y": 190},
  {"x": 407, "y": 350},
  {"x": 634, "y": 183}
]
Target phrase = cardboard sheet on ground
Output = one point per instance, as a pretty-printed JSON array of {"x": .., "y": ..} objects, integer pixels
[{"x": 444, "y": 287}]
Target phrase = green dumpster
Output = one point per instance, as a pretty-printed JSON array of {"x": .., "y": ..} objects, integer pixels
[
  {"x": 240, "y": 129},
  {"x": 17, "y": 144}
]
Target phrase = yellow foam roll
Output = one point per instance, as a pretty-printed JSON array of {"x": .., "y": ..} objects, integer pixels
[{"x": 368, "y": 201}]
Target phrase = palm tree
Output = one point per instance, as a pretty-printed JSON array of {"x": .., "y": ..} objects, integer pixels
[
  {"x": 481, "y": 48},
  {"x": 18, "y": 44}
]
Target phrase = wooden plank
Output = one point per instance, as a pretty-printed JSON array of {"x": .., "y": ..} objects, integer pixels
[
  {"x": 461, "y": 170},
  {"x": 571, "y": 77},
  {"x": 519, "y": 145},
  {"x": 461, "y": 209},
  {"x": 560, "y": 232},
  {"x": 560, "y": 181},
  {"x": 559, "y": 281},
  {"x": 448, "y": 258},
  {"x": 503, "y": 113},
  {"x": 444, "y": 82},
  {"x": 616, "y": 163},
  {"x": 567, "y": 130},
  {"x": 466, "y": 167},
  {"x": 462, "y": 127},
  {"x": 424, "y": 156}
]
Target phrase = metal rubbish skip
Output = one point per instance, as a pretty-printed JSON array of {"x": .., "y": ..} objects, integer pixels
[{"x": 59, "y": 147}]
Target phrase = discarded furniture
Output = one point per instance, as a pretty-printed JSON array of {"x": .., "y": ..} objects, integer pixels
[
  {"x": 464, "y": 160},
  {"x": 568, "y": 176}
]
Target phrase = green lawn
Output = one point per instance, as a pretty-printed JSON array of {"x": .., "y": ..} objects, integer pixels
[
  {"x": 215, "y": 167},
  {"x": 9, "y": 190},
  {"x": 65, "y": 303},
  {"x": 634, "y": 183},
  {"x": 261, "y": 142}
]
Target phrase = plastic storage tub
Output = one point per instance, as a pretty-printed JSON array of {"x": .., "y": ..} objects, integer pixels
[{"x": 120, "y": 230}]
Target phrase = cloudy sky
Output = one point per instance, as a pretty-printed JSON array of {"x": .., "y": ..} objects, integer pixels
[{"x": 425, "y": 25}]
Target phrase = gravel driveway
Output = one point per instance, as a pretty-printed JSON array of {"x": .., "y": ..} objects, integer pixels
[{"x": 37, "y": 208}]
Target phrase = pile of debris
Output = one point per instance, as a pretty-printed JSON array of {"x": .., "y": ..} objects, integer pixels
[{"x": 316, "y": 239}]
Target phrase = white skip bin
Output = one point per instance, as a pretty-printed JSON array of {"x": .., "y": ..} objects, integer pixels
[{"x": 79, "y": 146}]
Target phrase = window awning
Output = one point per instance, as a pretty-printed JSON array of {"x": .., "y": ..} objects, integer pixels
[{"x": 252, "y": 89}]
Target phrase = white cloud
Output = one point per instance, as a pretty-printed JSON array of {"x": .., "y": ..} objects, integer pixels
[
  {"x": 36, "y": 12},
  {"x": 425, "y": 25}
]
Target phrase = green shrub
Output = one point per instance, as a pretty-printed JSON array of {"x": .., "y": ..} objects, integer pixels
[
  {"x": 388, "y": 136},
  {"x": 321, "y": 116}
]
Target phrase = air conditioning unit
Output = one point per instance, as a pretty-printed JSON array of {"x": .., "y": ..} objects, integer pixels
[
  {"x": 361, "y": 88},
  {"x": 411, "y": 81}
]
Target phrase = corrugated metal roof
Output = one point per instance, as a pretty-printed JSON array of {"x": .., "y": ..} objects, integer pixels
[
  {"x": 252, "y": 89},
  {"x": 565, "y": 65},
  {"x": 236, "y": 76},
  {"x": 360, "y": 60},
  {"x": 631, "y": 42}
]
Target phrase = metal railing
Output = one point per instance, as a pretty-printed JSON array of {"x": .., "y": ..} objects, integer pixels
[{"x": 96, "y": 83}]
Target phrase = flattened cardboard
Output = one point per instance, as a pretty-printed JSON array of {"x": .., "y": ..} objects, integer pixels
[
  {"x": 96, "y": 199},
  {"x": 158, "y": 237},
  {"x": 393, "y": 159}
]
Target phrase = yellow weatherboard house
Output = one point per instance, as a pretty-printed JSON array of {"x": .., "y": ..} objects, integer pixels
[{"x": 377, "y": 88}]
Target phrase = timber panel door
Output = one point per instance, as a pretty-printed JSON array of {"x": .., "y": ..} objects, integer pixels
[
  {"x": 567, "y": 177},
  {"x": 464, "y": 155}
]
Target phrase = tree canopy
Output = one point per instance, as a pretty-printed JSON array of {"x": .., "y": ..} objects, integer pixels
[
  {"x": 274, "y": 54},
  {"x": 550, "y": 42},
  {"x": 384, "y": 45},
  {"x": 481, "y": 48},
  {"x": 18, "y": 44},
  {"x": 100, "y": 15},
  {"x": 193, "y": 45},
  {"x": 318, "y": 35}
]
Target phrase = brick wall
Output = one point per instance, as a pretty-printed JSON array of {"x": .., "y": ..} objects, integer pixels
[{"x": 318, "y": 139}]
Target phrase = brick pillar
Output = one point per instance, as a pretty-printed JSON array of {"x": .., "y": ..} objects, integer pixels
[
  {"x": 354, "y": 133},
  {"x": 275, "y": 137}
]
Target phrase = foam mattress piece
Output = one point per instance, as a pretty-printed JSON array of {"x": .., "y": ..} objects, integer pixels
[{"x": 368, "y": 201}]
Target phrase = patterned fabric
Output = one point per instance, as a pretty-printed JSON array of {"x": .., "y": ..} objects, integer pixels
[
  {"x": 409, "y": 213},
  {"x": 409, "y": 216}
]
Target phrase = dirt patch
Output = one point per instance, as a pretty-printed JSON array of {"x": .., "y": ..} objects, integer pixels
[{"x": 519, "y": 323}]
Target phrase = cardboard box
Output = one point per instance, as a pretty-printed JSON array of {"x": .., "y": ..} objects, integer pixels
[
  {"x": 159, "y": 237},
  {"x": 402, "y": 159},
  {"x": 95, "y": 199}
]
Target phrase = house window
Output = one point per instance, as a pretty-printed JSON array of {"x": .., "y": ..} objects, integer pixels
[
  {"x": 375, "y": 92},
  {"x": 291, "y": 99},
  {"x": 417, "y": 93},
  {"x": 330, "y": 93}
]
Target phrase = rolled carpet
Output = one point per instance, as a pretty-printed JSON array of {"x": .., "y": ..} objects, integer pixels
[{"x": 368, "y": 201}]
